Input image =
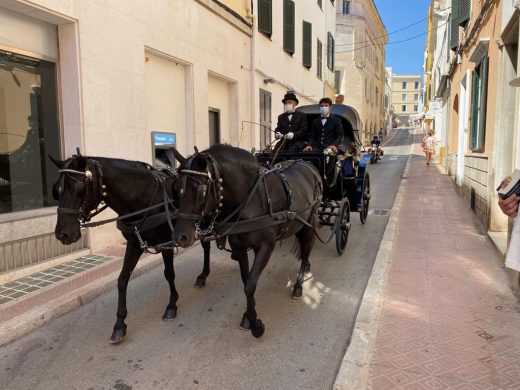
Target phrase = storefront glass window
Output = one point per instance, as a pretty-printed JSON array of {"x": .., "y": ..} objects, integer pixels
[{"x": 29, "y": 132}]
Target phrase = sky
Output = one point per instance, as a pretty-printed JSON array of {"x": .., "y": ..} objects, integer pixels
[{"x": 406, "y": 57}]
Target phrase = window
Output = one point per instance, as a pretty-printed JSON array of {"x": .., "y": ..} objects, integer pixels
[
  {"x": 416, "y": 108},
  {"x": 265, "y": 17},
  {"x": 404, "y": 84},
  {"x": 403, "y": 108},
  {"x": 416, "y": 97},
  {"x": 464, "y": 11},
  {"x": 403, "y": 97},
  {"x": 214, "y": 126},
  {"x": 416, "y": 86},
  {"x": 265, "y": 118},
  {"x": 307, "y": 45},
  {"x": 330, "y": 51},
  {"x": 288, "y": 26},
  {"x": 479, "y": 106},
  {"x": 319, "y": 56},
  {"x": 346, "y": 7},
  {"x": 28, "y": 133}
]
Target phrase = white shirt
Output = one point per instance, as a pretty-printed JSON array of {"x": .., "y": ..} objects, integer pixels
[{"x": 289, "y": 117}]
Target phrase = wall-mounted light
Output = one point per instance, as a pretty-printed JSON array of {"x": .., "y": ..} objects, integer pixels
[{"x": 267, "y": 81}]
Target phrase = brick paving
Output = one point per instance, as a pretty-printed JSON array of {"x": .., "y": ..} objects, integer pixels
[{"x": 449, "y": 320}]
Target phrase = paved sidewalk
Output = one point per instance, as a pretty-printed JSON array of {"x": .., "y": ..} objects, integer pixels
[{"x": 449, "y": 318}]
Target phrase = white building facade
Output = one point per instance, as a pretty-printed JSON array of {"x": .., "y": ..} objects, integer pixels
[
  {"x": 293, "y": 45},
  {"x": 103, "y": 77}
]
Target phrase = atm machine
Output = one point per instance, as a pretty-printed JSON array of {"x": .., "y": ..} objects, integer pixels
[{"x": 162, "y": 145}]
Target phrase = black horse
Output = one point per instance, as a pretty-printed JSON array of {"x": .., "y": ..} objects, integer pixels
[
  {"x": 228, "y": 185},
  {"x": 125, "y": 187}
]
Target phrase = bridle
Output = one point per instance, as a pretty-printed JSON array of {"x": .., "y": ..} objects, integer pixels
[
  {"x": 211, "y": 189},
  {"x": 92, "y": 181}
]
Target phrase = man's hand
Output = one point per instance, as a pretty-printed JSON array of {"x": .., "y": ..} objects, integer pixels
[
  {"x": 308, "y": 148},
  {"x": 278, "y": 135},
  {"x": 289, "y": 136},
  {"x": 509, "y": 206},
  {"x": 334, "y": 148}
]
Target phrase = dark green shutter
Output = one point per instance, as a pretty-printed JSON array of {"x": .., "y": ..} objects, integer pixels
[
  {"x": 265, "y": 16},
  {"x": 288, "y": 26},
  {"x": 483, "y": 104},
  {"x": 464, "y": 11},
  {"x": 307, "y": 44},
  {"x": 454, "y": 38},
  {"x": 330, "y": 51},
  {"x": 475, "y": 92}
]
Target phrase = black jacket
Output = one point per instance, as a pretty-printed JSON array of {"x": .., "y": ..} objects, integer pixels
[
  {"x": 297, "y": 125},
  {"x": 322, "y": 136}
]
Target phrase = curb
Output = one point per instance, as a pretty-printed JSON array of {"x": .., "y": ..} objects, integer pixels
[
  {"x": 35, "y": 318},
  {"x": 355, "y": 366}
]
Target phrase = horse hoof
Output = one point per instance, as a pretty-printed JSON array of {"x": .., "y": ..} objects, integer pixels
[
  {"x": 169, "y": 314},
  {"x": 118, "y": 335},
  {"x": 244, "y": 325},
  {"x": 297, "y": 292},
  {"x": 200, "y": 283},
  {"x": 258, "y": 330}
]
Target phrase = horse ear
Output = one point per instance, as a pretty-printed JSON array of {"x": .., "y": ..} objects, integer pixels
[
  {"x": 59, "y": 164},
  {"x": 180, "y": 158}
]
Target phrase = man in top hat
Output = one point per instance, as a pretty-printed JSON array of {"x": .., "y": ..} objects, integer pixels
[
  {"x": 326, "y": 130},
  {"x": 291, "y": 130}
]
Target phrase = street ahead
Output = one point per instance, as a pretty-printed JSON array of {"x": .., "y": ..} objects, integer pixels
[{"x": 203, "y": 348}]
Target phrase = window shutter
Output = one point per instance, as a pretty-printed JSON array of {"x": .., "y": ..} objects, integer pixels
[
  {"x": 464, "y": 11},
  {"x": 288, "y": 26},
  {"x": 330, "y": 51},
  {"x": 475, "y": 93},
  {"x": 307, "y": 44},
  {"x": 454, "y": 38},
  {"x": 483, "y": 105},
  {"x": 265, "y": 16}
]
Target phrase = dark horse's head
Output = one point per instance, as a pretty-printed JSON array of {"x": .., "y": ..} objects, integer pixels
[
  {"x": 78, "y": 193},
  {"x": 199, "y": 191},
  {"x": 210, "y": 184}
]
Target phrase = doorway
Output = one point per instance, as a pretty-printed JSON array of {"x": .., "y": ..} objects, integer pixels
[{"x": 214, "y": 126}]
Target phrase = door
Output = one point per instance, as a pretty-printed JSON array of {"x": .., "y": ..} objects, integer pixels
[
  {"x": 214, "y": 126},
  {"x": 265, "y": 119}
]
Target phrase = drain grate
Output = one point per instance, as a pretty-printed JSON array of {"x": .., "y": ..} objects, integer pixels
[{"x": 378, "y": 212}]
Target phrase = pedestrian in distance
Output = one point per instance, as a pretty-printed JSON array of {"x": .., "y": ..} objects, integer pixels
[
  {"x": 291, "y": 130},
  {"x": 428, "y": 145},
  {"x": 326, "y": 131}
]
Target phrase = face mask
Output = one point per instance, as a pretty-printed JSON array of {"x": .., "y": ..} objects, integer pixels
[
  {"x": 289, "y": 109},
  {"x": 324, "y": 110}
]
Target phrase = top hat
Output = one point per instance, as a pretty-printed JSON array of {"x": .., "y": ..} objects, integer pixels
[{"x": 290, "y": 96}]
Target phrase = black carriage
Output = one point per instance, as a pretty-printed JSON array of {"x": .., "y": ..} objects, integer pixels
[{"x": 345, "y": 177}]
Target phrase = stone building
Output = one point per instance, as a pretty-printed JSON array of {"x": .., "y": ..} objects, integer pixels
[
  {"x": 360, "y": 61},
  {"x": 406, "y": 98}
]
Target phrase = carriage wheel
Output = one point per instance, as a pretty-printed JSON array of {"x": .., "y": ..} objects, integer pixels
[
  {"x": 365, "y": 200},
  {"x": 342, "y": 227}
]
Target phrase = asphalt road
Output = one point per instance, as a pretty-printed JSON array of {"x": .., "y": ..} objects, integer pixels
[{"x": 203, "y": 348}]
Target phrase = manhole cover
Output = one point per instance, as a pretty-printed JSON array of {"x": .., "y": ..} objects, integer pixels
[{"x": 378, "y": 212}]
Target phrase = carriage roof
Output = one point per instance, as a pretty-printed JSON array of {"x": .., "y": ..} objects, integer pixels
[{"x": 348, "y": 115}]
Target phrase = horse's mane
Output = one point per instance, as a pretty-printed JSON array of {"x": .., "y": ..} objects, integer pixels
[
  {"x": 119, "y": 162},
  {"x": 225, "y": 153}
]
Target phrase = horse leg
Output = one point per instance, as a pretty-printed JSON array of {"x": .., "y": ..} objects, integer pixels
[
  {"x": 169, "y": 273},
  {"x": 243, "y": 262},
  {"x": 306, "y": 239},
  {"x": 201, "y": 279},
  {"x": 132, "y": 255},
  {"x": 262, "y": 255}
]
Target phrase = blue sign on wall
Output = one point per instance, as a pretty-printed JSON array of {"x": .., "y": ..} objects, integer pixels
[{"x": 164, "y": 139}]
